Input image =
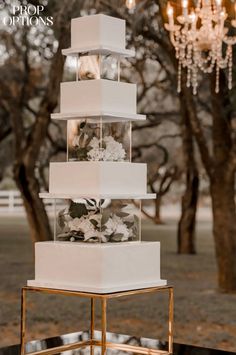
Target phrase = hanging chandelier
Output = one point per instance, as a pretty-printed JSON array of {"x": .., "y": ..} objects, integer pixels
[{"x": 201, "y": 42}]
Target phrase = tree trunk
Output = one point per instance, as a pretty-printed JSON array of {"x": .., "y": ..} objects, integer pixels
[
  {"x": 186, "y": 225},
  {"x": 35, "y": 210},
  {"x": 157, "y": 218},
  {"x": 224, "y": 229}
]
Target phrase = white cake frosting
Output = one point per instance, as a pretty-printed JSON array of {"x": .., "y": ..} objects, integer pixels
[
  {"x": 97, "y": 30},
  {"x": 101, "y": 33},
  {"x": 97, "y": 178},
  {"x": 101, "y": 268},
  {"x": 98, "y": 95}
]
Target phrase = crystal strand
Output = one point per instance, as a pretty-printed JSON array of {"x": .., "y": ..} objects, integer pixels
[
  {"x": 230, "y": 67},
  {"x": 217, "y": 89},
  {"x": 188, "y": 77},
  {"x": 189, "y": 54},
  {"x": 179, "y": 77},
  {"x": 194, "y": 80}
]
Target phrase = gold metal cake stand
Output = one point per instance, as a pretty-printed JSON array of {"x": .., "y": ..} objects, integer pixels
[{"x": 103, "y": 343}]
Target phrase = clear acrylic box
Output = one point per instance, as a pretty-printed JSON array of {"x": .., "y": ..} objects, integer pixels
[
  {"x": 97, "y": 220},
  {"x": 100, "y": 140},
  {"x": 97, "y": 67}
]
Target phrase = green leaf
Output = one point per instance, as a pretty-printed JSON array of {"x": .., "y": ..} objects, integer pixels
[
  {"x": 91, "y": 202},
  {"x": 61, "y": 218},
  {"x": 136, "y": 220},
  {"x": 82, "y": 125},
  {"x": 101, "y": 202},
  {"x": 82, "y": 153},
  {"x": 94, "y": 222},
  {"x": 105, "y": 217},
  {"x": 129, "y": 224},
  {"x": 77, "y": 210},
  {"x": 117, "y": 237},
  {"x": 122, "y": 214}
]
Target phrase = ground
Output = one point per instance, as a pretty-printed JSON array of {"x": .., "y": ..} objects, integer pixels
[{"x": 203, "y": 316}]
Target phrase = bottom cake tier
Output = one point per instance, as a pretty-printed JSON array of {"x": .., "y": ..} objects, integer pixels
[{"x": 97, "y": 268}]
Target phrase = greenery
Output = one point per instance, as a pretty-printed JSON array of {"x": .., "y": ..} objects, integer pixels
[{"x": 97, "y": 221}]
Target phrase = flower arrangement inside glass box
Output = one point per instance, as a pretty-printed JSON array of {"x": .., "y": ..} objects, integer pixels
[
  {"x": 98, "y": 140},
  {"x": 98, "y": 220},
  {"x": 98, "y": 66}
]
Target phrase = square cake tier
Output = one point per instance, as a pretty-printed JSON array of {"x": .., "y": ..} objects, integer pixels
[
  {"x": 99, "y": 268},
  {"x": 95, "y": 178},
  {"x": 98, "y": 95},
  {"x": 97, "y": 30}
]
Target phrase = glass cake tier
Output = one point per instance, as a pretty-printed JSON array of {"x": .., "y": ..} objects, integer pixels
[
  {"x": 97, "y": 220},
  {"x": 89, "y": 140}
]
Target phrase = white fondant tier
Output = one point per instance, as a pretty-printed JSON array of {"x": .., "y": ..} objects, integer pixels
[
  {"x": 93, "y": 96},
  {"x": 100, "y": 34},
  {"x": 98, "y": 268},
  {"x": 98, "y": 178}
]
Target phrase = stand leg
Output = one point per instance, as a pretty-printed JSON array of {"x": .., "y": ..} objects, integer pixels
[
  {"x": 171, "y": 319},
  {"x": 23, "y": 320},
  {"x": 104, "y": 325},
  {"x": 92, "y": 319}
]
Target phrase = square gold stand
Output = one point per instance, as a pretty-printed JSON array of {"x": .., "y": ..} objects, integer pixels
[{"x": 103, "y": 342}]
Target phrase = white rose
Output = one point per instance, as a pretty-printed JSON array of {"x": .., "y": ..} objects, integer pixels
[
  {"x": 95, "y": 154},
  {"x": 112, "y": 224},
  {"x": 94, "y": 143},
  {"x": 74, "y": 224},
  {"x": 123, "y": 229}
]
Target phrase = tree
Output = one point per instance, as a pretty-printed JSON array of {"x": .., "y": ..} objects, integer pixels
[
  {"x": 220, "y": 166},
  {"x": 16, "y": 95},
  {"x": 218, "y": 152},
  {"x": 160, "y": 179},
  {"x": 186, "y": 225}
]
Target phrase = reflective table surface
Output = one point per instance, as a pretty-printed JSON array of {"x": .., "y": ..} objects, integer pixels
[{"x": 179, "y": 349}]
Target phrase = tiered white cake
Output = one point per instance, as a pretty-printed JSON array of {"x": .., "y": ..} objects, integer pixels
[{"x": 109, "y": 262}]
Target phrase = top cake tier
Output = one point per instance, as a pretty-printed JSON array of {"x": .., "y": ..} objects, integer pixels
[{"x": 98, "y": 34}]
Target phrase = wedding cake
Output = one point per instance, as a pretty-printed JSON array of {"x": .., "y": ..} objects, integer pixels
[{"x": 97, "y": 192}]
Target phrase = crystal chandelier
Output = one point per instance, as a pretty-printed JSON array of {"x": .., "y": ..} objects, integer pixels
[{"x": 200, "y": 41}]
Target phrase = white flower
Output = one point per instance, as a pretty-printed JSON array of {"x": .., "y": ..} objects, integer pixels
[
  {"x": 74, "y": 224},
  {"x": 123, "y": 229},
  {"x": 112, "y": 224},
  {"x": 81, "y": 224},
  {"x": 90, "y": 234},
  {"x": 94, "y": 143},
  {"x": 95, "y": 154},
  {"x": 114, "y": 151},
  {"x": 84, "y": 225},
  {"x": 115, "y": 225},
  {"x": 96, "y": 217}
]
